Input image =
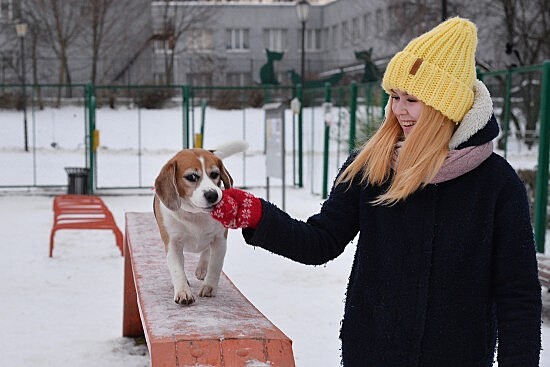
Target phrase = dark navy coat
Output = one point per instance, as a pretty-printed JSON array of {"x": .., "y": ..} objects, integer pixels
[{"x": 434, "y": 276}]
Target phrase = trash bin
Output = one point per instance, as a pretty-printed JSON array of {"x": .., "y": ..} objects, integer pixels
[{"x": 78, "y": 180}]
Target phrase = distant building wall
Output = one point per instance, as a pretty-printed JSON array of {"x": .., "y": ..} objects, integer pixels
[{"x": 228, "y": 48}]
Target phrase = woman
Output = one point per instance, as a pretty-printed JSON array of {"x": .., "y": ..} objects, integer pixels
[{"x": 445, "y": 258}]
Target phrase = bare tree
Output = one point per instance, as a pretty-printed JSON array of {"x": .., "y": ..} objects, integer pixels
[
  {"x": 106, "y": 32},
  {"x": 175, "y": 29},
  {"x": 10, "y": 57},
  {"x": 526, "y": 32},
  {"x": 98, "y": 10},
  {"x": 59, "y": 23}
]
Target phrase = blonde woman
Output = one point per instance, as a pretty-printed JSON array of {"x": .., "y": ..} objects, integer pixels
[{"x": 445, "y": 260}]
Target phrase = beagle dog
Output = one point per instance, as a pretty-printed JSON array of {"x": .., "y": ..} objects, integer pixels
[{"x": 186, "y": 191}]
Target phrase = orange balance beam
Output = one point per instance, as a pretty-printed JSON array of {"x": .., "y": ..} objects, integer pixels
[{"x": 226, "y": 330}]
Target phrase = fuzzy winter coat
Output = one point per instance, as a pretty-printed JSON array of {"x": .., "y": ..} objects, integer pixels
[{"x": 434, "y": 276}]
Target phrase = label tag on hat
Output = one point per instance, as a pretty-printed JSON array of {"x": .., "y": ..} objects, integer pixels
[{"x": 416, "y": 66}]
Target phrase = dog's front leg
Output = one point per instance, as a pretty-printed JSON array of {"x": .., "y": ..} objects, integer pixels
[
  {"x": 217, "y": 255},
  {"x": 175, "y": 260},
  {"x": 202, "y": 266}
]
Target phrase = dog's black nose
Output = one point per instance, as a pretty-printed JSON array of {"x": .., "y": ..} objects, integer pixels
[{"x": 211, "y": 196}]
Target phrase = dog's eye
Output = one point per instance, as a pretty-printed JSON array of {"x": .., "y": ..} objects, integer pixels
[
  {"x": 214, "y": 175},
  {"x": 192, "y": 177}
]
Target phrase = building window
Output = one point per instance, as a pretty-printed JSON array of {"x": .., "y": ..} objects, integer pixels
[
  {"x": 6, "y": 65},
  {"x": 274, "y": 39},
  {"x": 335, "y": 36},
  {"x": 313, "y": 40},
  {"x": 237, "y": 39},
  {"x": 393, "y": 13},
  {"x": 7, "y": 59},
  {"x": 199, "y": 39},
  {"x": 238, "y": 79},
  {"x": 379, "y": 20},
  {"x": 6, "y": 9},
  {"x": 367, "y": 24},
  {"x": 345, "y": 32},
  {"x": 201, "y": 79},
  {"x": 159, "y": 78},
  {"x": 355, "y": 35},
  {"x": 326, "y": 38},
  {"x": 162, "y": 46}
]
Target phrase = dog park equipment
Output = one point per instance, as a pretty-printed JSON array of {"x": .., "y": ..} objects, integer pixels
[
  {"x": 82, "y": 212},
  {"x": 225, "y": 330}
]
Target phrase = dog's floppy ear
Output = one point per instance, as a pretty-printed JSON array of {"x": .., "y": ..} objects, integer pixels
[
  {"x": 165, "y": 186},
  {"x": 226, "y": 177}
]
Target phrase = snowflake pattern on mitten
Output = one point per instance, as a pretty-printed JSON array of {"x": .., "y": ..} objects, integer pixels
[{"x": 238, "y": 209}]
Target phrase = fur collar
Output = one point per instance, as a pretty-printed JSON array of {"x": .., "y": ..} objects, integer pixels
[{"x": 475, "y": 119}]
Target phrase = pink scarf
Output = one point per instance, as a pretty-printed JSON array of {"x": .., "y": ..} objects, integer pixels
[{"x": 458, "y": 162}]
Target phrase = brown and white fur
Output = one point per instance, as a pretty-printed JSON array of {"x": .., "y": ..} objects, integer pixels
[{"x": 186, "y": 190}]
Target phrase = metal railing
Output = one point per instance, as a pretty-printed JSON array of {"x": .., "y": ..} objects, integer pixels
[{"x": 105, "y": 127}]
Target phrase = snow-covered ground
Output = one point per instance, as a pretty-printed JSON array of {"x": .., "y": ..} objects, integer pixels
[{"x": 67, "y": 310}]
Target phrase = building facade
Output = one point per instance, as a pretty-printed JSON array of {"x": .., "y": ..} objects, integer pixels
[{"x": 219, "y": 42}]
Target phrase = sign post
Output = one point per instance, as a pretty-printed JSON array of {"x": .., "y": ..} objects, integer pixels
[{"x": 275, "y": 144}]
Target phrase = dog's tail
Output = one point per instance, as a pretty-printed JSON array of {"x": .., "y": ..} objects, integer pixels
[{"x": 230, "y": 148}]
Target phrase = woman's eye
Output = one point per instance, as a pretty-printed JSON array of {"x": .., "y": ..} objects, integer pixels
[
  {"x": 193, "y": 177},
  {"x": 214, "y": 175},
  {"x": 395, "y": 97},
  {"x": 412, "y": 100}
]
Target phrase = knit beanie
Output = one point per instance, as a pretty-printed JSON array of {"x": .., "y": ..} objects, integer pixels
[{"x": 438, "y": 68}]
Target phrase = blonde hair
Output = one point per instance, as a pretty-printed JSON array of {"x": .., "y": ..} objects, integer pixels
[{"x": 421, "y": 156}]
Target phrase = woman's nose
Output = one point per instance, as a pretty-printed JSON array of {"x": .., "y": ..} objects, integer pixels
[{"x": 399, "y": 109}]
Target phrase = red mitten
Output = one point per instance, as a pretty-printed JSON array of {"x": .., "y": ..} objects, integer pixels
[{"x": 238, "y": 209}]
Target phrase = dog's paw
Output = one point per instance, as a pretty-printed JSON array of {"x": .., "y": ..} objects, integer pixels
[
  {"x": 200, "y": 272},
  {"x": 207, "y": 291},
  {"x": 184, "y": 297}
]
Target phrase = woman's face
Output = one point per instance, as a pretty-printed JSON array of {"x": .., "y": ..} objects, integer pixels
[{"x": 407, "y": 108}]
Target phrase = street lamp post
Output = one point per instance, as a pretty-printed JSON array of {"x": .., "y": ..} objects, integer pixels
[
  {"x": 21, "y": 30},
  {"x": 302, "y": 8}
]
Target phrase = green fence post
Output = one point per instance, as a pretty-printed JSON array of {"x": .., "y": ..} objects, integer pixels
[
  {"x": 185, "y": 128},
  {"x": 352, "y": 116},
  {"x": 300, "y": 94},
  {"x": 541, "y": 190},
  {"x": 203, "y": 120},
  {"x": 267, "y": 94},
  {"x": 325, "y": 149},
  {"x": 91, "y": 134},
  {"x": 383, "y": 103}
]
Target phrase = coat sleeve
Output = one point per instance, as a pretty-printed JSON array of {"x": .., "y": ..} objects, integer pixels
[
  {"x": 515, "y": 279},
  {"x": 321, "y": 238}
]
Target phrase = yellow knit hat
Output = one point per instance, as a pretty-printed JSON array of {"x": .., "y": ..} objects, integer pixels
[{"x": 438, "y": 68}]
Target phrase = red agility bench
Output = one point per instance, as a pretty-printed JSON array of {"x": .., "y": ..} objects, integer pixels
[
  {"x": 82, "y": 212},
  {"x": 225, "y": 330}
]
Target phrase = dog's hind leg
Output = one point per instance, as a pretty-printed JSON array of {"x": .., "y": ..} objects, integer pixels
[{"x": 217, "y": 254}]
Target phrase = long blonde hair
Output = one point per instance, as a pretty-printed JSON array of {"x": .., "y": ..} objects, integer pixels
[{"x": 421, "y": 156}]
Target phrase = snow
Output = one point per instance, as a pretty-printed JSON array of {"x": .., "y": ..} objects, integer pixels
[{"x": 67, "y": 310}]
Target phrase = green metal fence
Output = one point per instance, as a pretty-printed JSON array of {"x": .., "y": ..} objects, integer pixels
[
  {"x": 108, "y": 128},
  {"x": 34, "y": 122},
  {"x": 521, "y": 98}
]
